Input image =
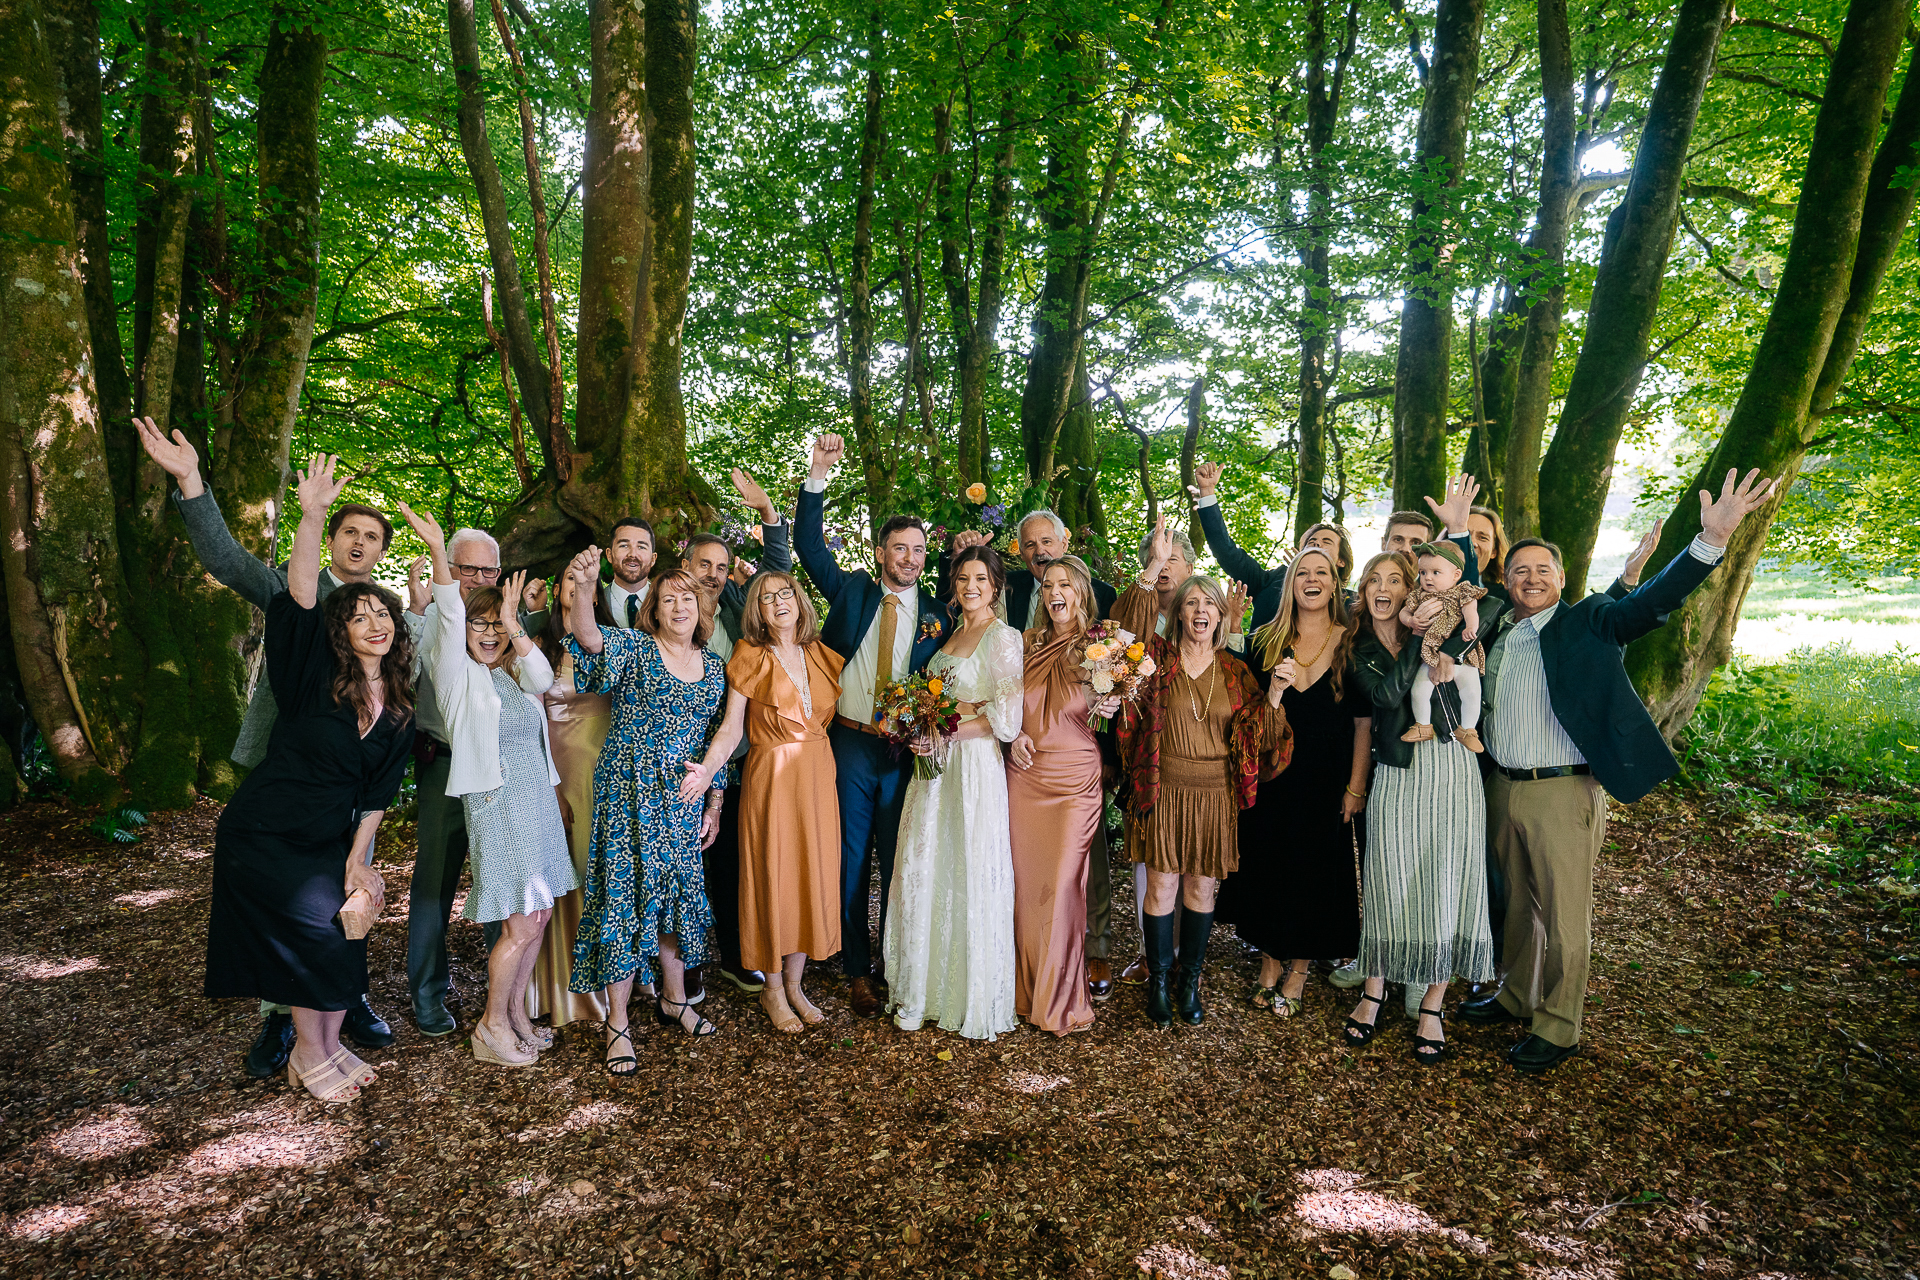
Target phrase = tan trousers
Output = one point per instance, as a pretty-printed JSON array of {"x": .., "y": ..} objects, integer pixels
[{"x": 1547, "y": 835}]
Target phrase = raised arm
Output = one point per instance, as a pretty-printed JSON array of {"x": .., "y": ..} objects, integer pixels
[
  {"x": 1236, "y": 563},
  {"x": 231, "y": 564},
  {"x": 531, "y": 668},
  {"x": 584, "y": 569},
  {"x": 1139, "y": 605},
  {"x": 810, "y": 519},
  {"x": 315, "y": 490},
  {"x": 776, "y": 536},
  {"x": 1626, "y": 620}
]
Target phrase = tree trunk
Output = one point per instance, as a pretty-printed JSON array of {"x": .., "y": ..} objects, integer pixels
[
  {"x": 975, "y": 316},
  {"x": 1843, "y": 241},
  {"x": 1421, "y": 391},
  {"x": 1546, "y": 276},
  {"x": 613, "y": 222},
  {"x": 65, "y": 594},
  {"x": 273, "y": 362},
  {"x": 860, "y": 412},
  {"x": 1499, "y": 381},
  {"x": 1626, "y": 293}
]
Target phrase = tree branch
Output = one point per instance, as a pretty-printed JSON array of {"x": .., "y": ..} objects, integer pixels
[{"x": 368, "y": 326}]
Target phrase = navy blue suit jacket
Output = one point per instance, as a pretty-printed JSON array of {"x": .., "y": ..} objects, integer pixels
[
  {"x": 853, "y": 599},
  {"x": 1595, "y": 702}
]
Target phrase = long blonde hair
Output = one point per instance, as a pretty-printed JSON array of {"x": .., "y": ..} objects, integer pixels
[
  {"x": 1282, "y": 632},
  {"x": 1082, "y": 578}
]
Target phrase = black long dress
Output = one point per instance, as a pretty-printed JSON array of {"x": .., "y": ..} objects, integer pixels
[
  {"x": 1295, "y": 895},
  {"x": 280, "y": 852}
]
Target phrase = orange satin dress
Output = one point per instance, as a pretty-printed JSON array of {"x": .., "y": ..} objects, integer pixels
[
  {"x": 1055, "y": 807},
  {"x": 577, "y": 725},
  {"x": 789, "y": 809}
]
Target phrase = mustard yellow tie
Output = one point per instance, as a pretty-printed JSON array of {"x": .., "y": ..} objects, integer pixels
[{"x": 883, "y": 664}]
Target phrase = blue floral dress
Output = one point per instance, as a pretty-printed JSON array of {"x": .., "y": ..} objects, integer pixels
[{"x": 644, "y": 875}]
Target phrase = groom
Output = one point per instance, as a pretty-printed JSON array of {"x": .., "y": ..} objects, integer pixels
[{"x": 885, "y": 629}]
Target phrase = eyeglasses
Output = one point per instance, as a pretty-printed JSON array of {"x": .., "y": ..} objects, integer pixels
[
  {"x": 783, "y": 594},
  {"x": 484, "y": 625},
  {"x": 485, "y": 572}
]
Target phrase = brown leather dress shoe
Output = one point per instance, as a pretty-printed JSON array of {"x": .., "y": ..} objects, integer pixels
[
  {"x": 866, "y": 999},
  {"x": 1099, "y": 979},
  {"x": 1135, "y": 974}
]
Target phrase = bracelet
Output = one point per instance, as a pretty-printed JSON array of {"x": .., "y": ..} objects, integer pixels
[
  {"x": 1357, "y": 795},
  {"x": 1145, "y": 583}
]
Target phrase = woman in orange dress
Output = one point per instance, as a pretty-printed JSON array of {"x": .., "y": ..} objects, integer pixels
[
  {"x": 782, "y": 687},
  {"x": 1055, "y": 802}
]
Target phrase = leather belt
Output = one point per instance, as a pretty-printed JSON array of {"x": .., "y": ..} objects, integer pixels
[
  {"x": 1551, "y": 771},
  {"x": 848, "y": 722}
]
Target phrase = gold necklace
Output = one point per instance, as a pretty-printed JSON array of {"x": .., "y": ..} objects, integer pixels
[
  {"x": 1306, "y": 664},
  {"x": 1200, "y": 713}
]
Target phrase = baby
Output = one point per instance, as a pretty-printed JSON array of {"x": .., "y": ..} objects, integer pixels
[{"x": 1441, "y": 564}]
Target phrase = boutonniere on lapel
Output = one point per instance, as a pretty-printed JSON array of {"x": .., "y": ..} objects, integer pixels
[{"x": 930, "y": 628}]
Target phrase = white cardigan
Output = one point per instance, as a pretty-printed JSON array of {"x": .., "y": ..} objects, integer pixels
[{"x": 469, "y": 707}]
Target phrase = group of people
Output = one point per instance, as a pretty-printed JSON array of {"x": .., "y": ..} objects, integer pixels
[{"x": 683, "y": 769}]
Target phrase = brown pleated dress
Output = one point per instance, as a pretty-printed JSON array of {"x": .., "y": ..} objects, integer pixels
[
  {"x": 1054, "y": 806},
  {"x": 1194, "y": 830},
  {"x": 577, "y": 725},
  {"x": 789, "y": 809}
]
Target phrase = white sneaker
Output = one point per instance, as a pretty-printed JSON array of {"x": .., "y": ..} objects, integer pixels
[{"x": 1347, "y": 976}]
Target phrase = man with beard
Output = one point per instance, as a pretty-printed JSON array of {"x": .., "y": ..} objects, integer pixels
[
  {"x": 357, "y": 540},
  {"x": 710, "y": 561},
  {"x": 631, "y": 554}
]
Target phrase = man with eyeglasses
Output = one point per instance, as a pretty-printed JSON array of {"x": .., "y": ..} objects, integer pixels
[{"x": 357, "y": 540}]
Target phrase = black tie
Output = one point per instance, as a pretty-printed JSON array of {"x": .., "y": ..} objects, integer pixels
[{"x": 633, "y": 611}]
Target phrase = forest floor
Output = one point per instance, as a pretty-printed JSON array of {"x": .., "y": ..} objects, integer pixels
[{"x": 1744, "y": 1106}]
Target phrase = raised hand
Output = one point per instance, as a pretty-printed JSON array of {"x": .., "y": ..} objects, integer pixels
[
  {"x": 1641, "y": 554},
  {"x": 428, "y": 529},
  {"x": 176, "y": 457},
  {"x": 1237, "y": 594},
  {"x": 742, "y": 571},
  {"x": 316, "y": 486},
  {"x": 584, "y": 568},
  {"x": 970, "y": 538},
  {"x": 1719, "y": 517},
  {"x": 418, "y": 592},
  {"x": 1206, "y": 478},
  {"x": 1160, "y": 549},
  {"x": 827, "y": 451},
  {"x": 1461, "y": 491},
  {"x": 536, "y": 597},
  {"x": 754, "y": 496},
  {"x": 512, "y": 588}
]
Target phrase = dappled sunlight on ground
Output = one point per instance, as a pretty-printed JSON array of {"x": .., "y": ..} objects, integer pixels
[
  {"x": 104, "y": 1137},
  {"x": 148, "y": 897},
  {"x": 43, "y": 969},
  {"x": 1333, "y": 1202},
  {"x": 1028, "y": 1082}
]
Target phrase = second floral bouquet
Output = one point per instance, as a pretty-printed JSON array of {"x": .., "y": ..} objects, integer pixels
[
  {"x": 919, "y": 708},
  {"x": 1115, "y": 663}
]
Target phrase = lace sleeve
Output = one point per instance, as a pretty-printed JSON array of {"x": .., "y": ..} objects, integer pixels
[{"x": 1006, "y": 683}]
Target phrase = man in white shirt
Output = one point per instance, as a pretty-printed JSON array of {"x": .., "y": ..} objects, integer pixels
[
  {"x": 885, "y": 627},
  {"x": 631, "y": 555}
]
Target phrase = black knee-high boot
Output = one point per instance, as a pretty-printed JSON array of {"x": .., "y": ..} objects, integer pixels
[
  {"x": 1157, "y": 939},
  {"x": 1195, "y": 926}
]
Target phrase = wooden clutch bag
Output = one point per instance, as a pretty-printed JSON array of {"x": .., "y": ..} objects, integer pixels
[{"x": 358, "y": 914}]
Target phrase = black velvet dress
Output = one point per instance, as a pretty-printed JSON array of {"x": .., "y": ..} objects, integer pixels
[
  {"x": 280, "y": 853},
  {"x": 1296, "y": 895}
]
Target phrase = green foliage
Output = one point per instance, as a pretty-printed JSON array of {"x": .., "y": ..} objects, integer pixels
[{"x": 119, "y": 825}]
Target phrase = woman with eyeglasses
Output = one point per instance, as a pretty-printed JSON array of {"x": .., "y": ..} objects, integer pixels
[
  {"x": 487, "y": 679},
  {"x": 783, "y": 684}
]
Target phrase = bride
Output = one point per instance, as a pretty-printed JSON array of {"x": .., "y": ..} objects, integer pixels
[{"x": 949, "y": 938}]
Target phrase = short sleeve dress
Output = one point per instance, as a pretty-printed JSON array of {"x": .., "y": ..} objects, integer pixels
[{"x": 280, "y": 850}]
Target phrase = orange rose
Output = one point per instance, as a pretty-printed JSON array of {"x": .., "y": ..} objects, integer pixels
[
  {"x": 976, "y": 492},
  {"x": 934, "y": 686}
]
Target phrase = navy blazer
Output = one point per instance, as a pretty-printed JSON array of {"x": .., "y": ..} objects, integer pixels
[
  {"x": 853, "y": 599},
  {"x": 1582, "y": 649},
  {"x": 1268, "y": 586}
]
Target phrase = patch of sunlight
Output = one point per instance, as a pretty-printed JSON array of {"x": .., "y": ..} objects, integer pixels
[
  {"x": 42, "y": 969},
  {"x": 148, "y": 897},
  {"x": 48, "y": 1221},
  {"x": 1334, "y": 1202},
  {"x": 584, "y": 1117},
  {"x": 269, "y": 1138},
  {"x": 102, "y": 1138},
  {"x": 1578, "y": 1259},
  {"x": 1029, "y": 1082},
  {"x": 1171, "y": 1262}
]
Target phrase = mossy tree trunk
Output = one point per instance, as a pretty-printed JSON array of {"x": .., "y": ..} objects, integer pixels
[{"x": 1842, "y": 245}]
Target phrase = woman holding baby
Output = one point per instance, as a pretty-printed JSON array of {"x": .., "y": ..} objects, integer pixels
[{"x": 1424, "y": 917}]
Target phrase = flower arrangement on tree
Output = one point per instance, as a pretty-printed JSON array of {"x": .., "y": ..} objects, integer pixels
[
  {"x": 919, "y": 708},
  {"x": 1115, "y": 663}
]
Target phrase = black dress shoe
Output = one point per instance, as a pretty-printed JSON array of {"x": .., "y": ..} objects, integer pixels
[
  {"x": 1487, "y": 1013},
  {"x": 367, "y": 1029},
  {"x": 272, "y": 1046},
  {"x": 1534, "y": 1055},
  {"x": 750, "y": 981}
]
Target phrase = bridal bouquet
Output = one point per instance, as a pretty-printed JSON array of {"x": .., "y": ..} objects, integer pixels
[
  {"x": 1115, "y": 663},
  {"x": 919, "y": 707}
]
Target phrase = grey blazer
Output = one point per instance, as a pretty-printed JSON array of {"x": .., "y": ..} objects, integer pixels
[{"x": 233, "y": 566}]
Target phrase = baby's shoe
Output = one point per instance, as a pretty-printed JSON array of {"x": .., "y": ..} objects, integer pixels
[
  {"x": 1468, "y": 738},
  {"x": 1419, "y": 733}
]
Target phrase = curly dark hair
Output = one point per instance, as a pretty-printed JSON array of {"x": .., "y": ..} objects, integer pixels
[{"x": 350, "y": 686}]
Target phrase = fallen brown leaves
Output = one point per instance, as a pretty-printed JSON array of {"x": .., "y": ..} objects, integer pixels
[{"x": 1744, "y": 1106}]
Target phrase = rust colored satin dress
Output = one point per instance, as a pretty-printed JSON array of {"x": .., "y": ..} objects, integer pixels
[
  {"x": 789, "y": 809},
  {"x": 577, "y": 725},
  {"x": 1055, "y": 808}
]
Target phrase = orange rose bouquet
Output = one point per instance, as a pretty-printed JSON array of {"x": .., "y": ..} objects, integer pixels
[
  {"x": 1115, "y": 663},
  {"x": 919, "y": 708}
]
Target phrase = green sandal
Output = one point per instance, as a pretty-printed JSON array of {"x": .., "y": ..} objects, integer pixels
[
  {"x": 1263, "y": 997},
  {"x": 1286, "y": 1006}
]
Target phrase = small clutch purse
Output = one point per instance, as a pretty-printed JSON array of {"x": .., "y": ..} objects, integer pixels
[{"x": 358, "y": 914}]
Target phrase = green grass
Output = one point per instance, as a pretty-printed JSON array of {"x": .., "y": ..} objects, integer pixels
[
  {"x": 1798, "y": 590},
  {"x": 1832, "y": 735}
]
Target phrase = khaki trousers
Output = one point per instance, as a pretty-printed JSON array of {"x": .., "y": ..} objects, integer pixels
[{"x": 1547, "y": 835}]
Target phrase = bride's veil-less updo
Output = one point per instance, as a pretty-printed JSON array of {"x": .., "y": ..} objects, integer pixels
[{"x": 996, "y": 574}]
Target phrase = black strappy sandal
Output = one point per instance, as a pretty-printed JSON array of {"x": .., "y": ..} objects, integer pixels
[
  {"x": 1358, "y": 1033},
  {"x": 701, "y": 1027},
  {"x": 1429, "y": 1053},
  {"x": 626, "y": 1064}
]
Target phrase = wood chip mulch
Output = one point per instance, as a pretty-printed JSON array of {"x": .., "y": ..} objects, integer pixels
[{"x": 1744, "y": 1106}]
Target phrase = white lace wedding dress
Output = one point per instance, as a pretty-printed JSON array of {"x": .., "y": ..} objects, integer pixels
[{"x": 949, "y": 940}]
